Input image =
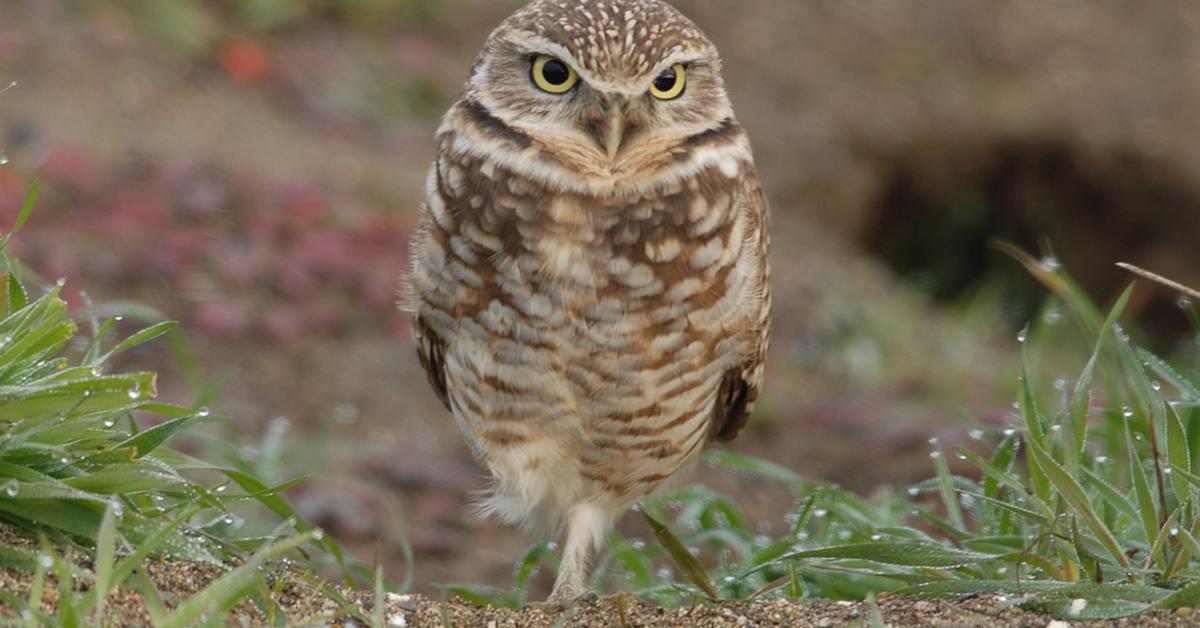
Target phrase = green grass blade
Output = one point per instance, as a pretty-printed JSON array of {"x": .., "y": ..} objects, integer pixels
[
  {"x": 1034, "y": 433},
  {"x": 1111, "y": 495},
  {"x": 1070, "y": 489},
  {"x": 150, "y": 545},
  {"x": 1147, "y": 509},
  {"x": 26, "y": 209},
  {"x": 1082, "y": 396},
  {"x": 106, "y": 549},
  {"x": 1008, "y": 480},
  {"x": 688, "y": 564},
  {"x": 148, "y": 440},
  {"x": 1170, "y": 375},
  {"x": 281, "y": 507},
  {"x": 1179, "y": 455},
  {"x": 220, "y": 595},
  {"x": 753, "y": 467},
  {"x": 929, "y": 555},
  {"x": 946, "y": 485},
  {"x": 18, "y": 298},
  {"x": 146, "y": 335}
]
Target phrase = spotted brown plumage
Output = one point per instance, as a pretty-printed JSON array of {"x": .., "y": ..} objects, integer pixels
[{"x": 590, "y": 279}]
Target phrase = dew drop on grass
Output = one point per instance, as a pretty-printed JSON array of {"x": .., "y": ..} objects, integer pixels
[
  {"x": 935, "y": 454},
  {"x": 876, "y": 537},
  {"x": 1060, "y": 384},
  {"x": 663, "y": 573},
  {"x": 1127, "y": 413},
  {"x": 962, "y": 456},
  {"x": 820, "y": 513},
  {"x": 62, "y": 281},
  {"x": 1021, "y": 336},
  {"x": 11, "y": 489},
  {"x": 221, "y": 489},
  {"x": 694, "y": 551},
  {"x": 46, "y": 560},
  {"x": 1009, "y": 432},
  {"x": 1157, "y": 386},
  {"x": 109, "y": 422},
  {"x": 1101, "y": 459},
  {"x": 552, "y": 546},
  {"x": 976, "y": 434},
  {"x": 1051, "y": 264},
  {"x": 1167, "y": 470},
  {"x": 638, "y": 544},
  {"x": 3, "y": 161},
  {"x": 1053, "y": 316},
  {"x": 730, "y": 579},
  {"x": 1055, "y": 428},
  {"x": 87, "y": 393},
  {"x": 1174, "y": 531},
  {"x": 203, "y": 411},
  {"x": 914, "y": 491},
  {"x": 1184, "y": 303}
]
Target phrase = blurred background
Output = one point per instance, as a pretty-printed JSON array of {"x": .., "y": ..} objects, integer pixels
[{"x": 253, "y": 168}]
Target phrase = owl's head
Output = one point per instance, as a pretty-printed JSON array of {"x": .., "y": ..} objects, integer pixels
[{"x": 607, "y": 85}]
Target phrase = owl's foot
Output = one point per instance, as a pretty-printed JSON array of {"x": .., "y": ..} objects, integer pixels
[{"x": 562, "y": 603}]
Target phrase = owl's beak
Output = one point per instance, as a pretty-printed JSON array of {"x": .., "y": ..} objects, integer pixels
[{"x": 614, "y": 127}]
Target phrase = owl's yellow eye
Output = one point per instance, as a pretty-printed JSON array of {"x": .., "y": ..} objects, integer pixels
[
  {"x": 552, "y": 76},
  {"x": 669, "y": 85}
]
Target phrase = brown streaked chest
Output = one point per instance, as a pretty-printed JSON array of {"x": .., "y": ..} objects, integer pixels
[{"x": 637, "y": 246}]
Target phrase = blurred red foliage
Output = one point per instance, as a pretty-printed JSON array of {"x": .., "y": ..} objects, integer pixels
[{"x": 234, "y": 256}]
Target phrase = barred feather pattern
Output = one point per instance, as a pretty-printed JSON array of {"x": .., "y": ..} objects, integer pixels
[{"x": 592, "y": 325}]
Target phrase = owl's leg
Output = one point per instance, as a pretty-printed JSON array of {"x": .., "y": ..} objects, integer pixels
[{"x": 586, "y": 526}]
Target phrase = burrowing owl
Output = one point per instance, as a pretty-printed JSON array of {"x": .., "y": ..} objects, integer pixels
[{"x": 590, "y": 272}]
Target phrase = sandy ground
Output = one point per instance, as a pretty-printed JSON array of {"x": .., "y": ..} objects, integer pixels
[{"x": 302, "y": 605}]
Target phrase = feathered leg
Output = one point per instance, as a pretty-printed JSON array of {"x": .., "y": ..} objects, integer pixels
[{"x": 586, "y": 526}]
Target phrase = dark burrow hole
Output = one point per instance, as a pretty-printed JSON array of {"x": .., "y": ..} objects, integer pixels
[{"x": 934, "y": 224}]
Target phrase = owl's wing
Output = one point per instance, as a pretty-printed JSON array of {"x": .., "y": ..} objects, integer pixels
[
  {"x": 734, "y": 403},
  {"x": 432, "y": 352},
  {"x": 740, "y": 387}
]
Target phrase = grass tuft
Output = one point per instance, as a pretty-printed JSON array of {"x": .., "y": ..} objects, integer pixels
[{"x": 85, "y": 465}]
